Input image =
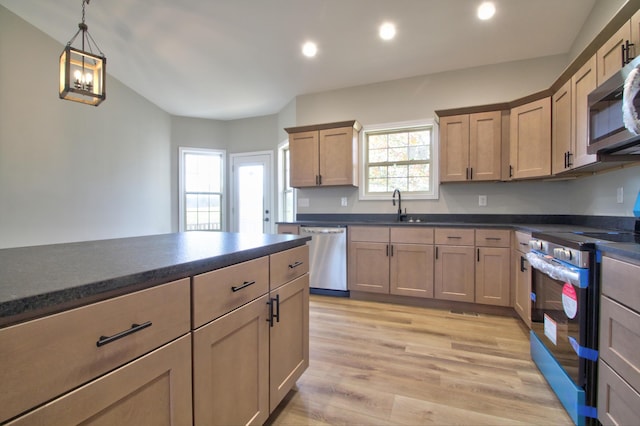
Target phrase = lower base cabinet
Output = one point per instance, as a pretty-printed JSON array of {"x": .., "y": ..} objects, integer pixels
[
  {"x": 454, "y": 273},
  {"x": 231, "y": 367},
  {"x": 155, "y": 389},
  {"x": 289, "y": 338}
]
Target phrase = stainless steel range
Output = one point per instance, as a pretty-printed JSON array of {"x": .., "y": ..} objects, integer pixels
[{"x": 564, "y": 319}]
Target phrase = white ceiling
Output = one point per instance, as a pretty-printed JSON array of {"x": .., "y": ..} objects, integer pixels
[{"x": 229, "y": 59}]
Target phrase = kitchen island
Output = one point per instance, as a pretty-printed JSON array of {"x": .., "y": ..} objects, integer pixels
[{"x": 109, "y": 328}]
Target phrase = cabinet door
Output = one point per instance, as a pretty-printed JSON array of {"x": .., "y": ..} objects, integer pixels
[
  {"x": 530, "y": 150},
  {"x": 610, "y": 58},
  {"x": 618, "y": 403},
  {"x": 369, "y": 267},
  {"x": 522, "y": 282},
  {"x": 454, "y": 148},
  {"x": 485, "y": 146},
  {"x": 561, "y": 129},
  {"x": 583, "y": 82},
  {"x": 289, "y": 338},
  {"x": 338, "y": 157},
  {"x": 231, "y": 367},
  {"x": 303, "y": 148},
  {"x": 454, "y": 273},
  {"x": 493, "y": 276},
  {"x": 152, "y": 390},
  {"x": 411, "y": 271}
]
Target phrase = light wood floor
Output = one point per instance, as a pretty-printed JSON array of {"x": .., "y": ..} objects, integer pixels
[{"x": 382, "y": 364}]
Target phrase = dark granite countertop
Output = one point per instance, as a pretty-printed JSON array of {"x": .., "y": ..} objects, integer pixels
[
  {"x": 529, "y": 223},
  {"x": 40, "y": 280}
]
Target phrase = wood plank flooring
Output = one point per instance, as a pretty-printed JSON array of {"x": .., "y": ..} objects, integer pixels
[{"x": 384, "y": 364}]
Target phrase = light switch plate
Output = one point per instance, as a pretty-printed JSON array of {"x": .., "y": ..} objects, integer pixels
[
  {"x": 343, "y": 201},
  {"x": 482, "y": 200},
  {"x": 620, "y": 195},
  {"x": 303, "y": 202}
]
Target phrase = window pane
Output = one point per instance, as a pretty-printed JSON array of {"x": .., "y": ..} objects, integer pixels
[
  {"x": 202, "y": 172},
  {"x": 399, "y": 159},
  {"x": 203, "y": 212}
]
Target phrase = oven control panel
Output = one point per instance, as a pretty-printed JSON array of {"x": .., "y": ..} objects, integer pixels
[{"x": 572, "y": 256}]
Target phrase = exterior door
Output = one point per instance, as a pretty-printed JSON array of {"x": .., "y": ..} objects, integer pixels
[{"x": 251, "y": 209}]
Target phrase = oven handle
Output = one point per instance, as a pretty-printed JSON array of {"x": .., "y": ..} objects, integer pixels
[{"x": 554, "y": 269}]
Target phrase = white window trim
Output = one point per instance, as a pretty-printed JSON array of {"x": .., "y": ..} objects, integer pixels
[
  {"x": 434, "y": 194},
  {"x": 281, "y": 218},
  {"x": 223, "y": 204}
]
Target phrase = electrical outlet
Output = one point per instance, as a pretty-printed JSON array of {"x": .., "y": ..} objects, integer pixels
[
  {"x": 482, "y": 200},
  {"x": 620, "y": 195},
  {"x": 303, "y": 202},
  {"x": 343, "y": 201}
]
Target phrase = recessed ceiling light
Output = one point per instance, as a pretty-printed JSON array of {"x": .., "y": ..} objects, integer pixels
[
  {"x": 486, "y": 10},
  {"x": 387, "y": 31},
  {"x": 309, "y": 49}
]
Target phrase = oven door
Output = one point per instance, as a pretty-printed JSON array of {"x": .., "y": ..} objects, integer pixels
[{"x": 559, "y": 313}]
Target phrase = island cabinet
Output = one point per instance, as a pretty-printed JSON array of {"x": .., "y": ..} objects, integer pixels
[
  {"x": 391, "y": 260},
  {"x": 521, "y": 276},
  {"x": 250, "y": 338},
  {"x": 471, "y": 147},
  {"x": 324, "y": 154},
  {"x": 125, "y": 360},
  {"x": 493, "y": 267},
  {"x": 619, "y": 361},
  {"x": 530, "y": 140},
  {"x": 454, "y": 264}
]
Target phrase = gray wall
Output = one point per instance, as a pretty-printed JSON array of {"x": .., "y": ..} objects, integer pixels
[{"x": 69, "y": 171}]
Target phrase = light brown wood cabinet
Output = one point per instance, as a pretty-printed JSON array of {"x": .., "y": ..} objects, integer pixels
[
  {"x": 245, "y": 361},
  {"x": 522, "y": 276},
  {"x": 288, "y": 229},
  {"x": 391, "y": 260},
  {"x": 493, "y": 267},
  {"x": 324, "y": 155},
  {"x": 471, "y": 147},
  {"x": 612, "y": 56},
  {"x": 154, "y": 389},
  {"x": 454, "y": 264},
  {"x": 530, "y": 140},
  {"x": 619, "y": 361},
  {"x": 44, "y": 358},
  {"x": 570, "y": 121}
]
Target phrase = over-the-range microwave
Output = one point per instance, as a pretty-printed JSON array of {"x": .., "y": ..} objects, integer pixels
[{"x": 607, "y": 132}]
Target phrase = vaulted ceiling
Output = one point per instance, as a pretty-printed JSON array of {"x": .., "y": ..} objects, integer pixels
[{"x": 228, "y": 59}]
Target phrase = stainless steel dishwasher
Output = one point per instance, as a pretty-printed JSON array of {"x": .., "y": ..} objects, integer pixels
[{"x": 328, "y": 259}]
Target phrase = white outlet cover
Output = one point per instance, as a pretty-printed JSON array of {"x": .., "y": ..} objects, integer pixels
[
  {"x": 620, "y": 195},
  {"x": 482, "y": 200},
  {"x": 303, "y": 202},
  {"x": 343, "y": 201}
]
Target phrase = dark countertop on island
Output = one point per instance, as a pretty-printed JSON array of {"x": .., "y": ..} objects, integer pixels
[{"x": 40, "y": 280}]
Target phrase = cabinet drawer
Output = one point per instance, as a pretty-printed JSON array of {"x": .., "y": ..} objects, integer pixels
[
  {"x": 288, "y": 264},
  {"x": 217, "y": 292},
  {"x": 493, "y": 237},
  {"x": 289, "y": 229},
  {"x": 412, "y": 235},
  {"x": 44, "y": 358},
  {"x": 620, "y": 340},
  {"x": 455, "y": 236},
  {"x": 618, "y": 403},
  {"x": 521, "y": 241},
  {"x": 152, "y": 390},
  {"x": 370, "y": 234},
  {"x": 620, "y": 282}
]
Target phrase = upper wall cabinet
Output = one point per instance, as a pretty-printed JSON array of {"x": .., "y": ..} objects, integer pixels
[
  {"x": 530, "y": 140},
  {"x": 569, "y": 130},
  {"x": 619, "y": 50},
  {"x": 324, "y": 154},
  {"x": 470, "y": 147}
]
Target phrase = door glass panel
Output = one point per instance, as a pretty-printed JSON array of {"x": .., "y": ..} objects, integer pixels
[{"x": 250, "y": 206}]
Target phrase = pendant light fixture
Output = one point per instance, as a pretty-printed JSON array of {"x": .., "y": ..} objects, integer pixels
[{"x": 82, "y": 72}]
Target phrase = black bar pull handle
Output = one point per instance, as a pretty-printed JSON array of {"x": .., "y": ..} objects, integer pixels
[
  {"x": 436, "y": 252},
  {"x": 467, "y": 174},
  {"x": 277, "y": 314},
  {"x": 493, "y": 238},
  {"x": 454, "y": 237},
  {"x": 103, "y": 340},
  {"x": 569, "y": 155},
  {"x": 240, "y": 287},
  {"x": 624, "y": 57},
  {"x": 510, "y": 170},
  {"x": 471, "y": 173},
  {"x": 391, "y": 250},
  {"x": 270, "y": 318},
  {"x": 319, "y": 179},
  {"x": 295, "y": 264},
  {"x": 522, "y": 268},
  {"x": 478, "y": 251},
  {"x": 387, "y": 250}
]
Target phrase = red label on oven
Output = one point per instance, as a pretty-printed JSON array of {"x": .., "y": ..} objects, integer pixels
[{"x": 569, "y": 300}]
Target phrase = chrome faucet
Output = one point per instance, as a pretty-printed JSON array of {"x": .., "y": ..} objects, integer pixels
[{"x": 393, "y": 200}]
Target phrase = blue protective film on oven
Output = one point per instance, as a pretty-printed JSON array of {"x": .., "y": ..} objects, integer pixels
[
  {"x": 588, "y": 411},
  {"x": 582, "y": 351},
  {"x": 533, "y": 297}
]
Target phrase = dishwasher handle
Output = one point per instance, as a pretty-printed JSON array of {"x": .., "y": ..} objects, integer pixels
[{"x": 323, "y": 230}]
